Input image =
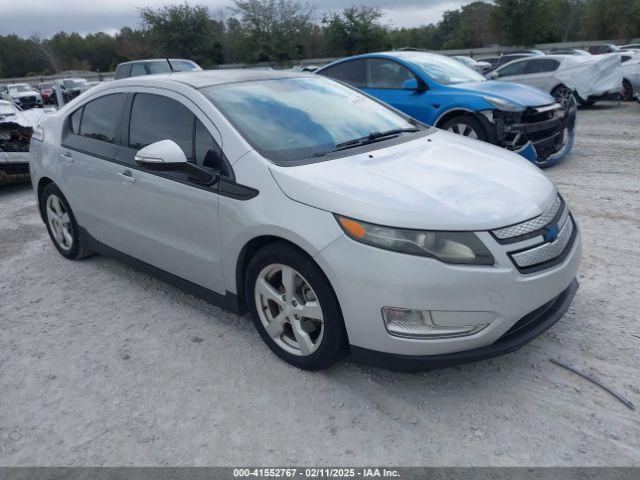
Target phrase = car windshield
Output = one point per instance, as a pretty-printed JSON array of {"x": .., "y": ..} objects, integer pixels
[
  {"x": 466, "y": 60},
  {"x": 184, "y": 66},
  {"x": 444, "y": 70},
  {"x": 293, "y": 119},
  {"x": 19, "y": 88}
]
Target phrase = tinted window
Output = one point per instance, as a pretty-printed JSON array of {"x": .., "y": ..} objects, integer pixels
[
  {"x": 74, "y": 122},
  {"x": 624, "y": 58},
  {"x": 101, "y": 118},
  {"x": 207, "y": 153},
  {"x": 122, "y": 71},
  {"x": 155, "y": 118},
  {"x": 386, "y": 74},
  {"x": 184, "y": 65},
  {"x": 517, "y": 68},
  {"x": 542, "y": 65},
  {"x": 137, "y": 69},
  {"x": 353, "y": 73},
  {"x": 158, "y": 67}
]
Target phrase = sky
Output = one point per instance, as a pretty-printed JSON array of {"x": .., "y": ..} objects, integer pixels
[{"x": 46, "y": 17}]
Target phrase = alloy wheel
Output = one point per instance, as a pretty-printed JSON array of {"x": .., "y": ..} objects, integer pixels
[
  {"x": 463, "y": 129},
  {"x": 289, "y": 309},
  {"x": 563, "y": 95},
  {"x": 59, "y": 222}
]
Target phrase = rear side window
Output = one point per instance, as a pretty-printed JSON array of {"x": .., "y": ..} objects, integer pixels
[
  {"x": 101, "y": 118},
  {"x": 542, "y": 65},
  {"x": 155, "y": 118},
  {"x": 122, "y": 71},
  {"x": 353, "y": 72}
]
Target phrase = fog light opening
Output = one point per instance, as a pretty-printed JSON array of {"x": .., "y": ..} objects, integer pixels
[{"x": 410, "y": 323}]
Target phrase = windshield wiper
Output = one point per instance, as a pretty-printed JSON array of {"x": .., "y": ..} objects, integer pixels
[{"x": 374, "y": 137}]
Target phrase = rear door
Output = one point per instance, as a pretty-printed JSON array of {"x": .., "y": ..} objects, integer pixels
[{"x": 539, "y": 72}]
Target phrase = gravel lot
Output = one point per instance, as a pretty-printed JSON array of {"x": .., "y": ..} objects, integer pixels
[{"x": 102, "y": 365}]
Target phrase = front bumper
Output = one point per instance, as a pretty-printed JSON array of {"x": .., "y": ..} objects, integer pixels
[
  {"x": 525, "y": 330},
  {"x": 542, "y": 135}
]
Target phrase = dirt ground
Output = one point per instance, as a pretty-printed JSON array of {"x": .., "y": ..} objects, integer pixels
[{"x": 102, "y": 365}]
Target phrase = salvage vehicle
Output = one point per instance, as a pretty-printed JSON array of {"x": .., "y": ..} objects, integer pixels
[
  {"x": 159, "y": 65},
  {"x": 16, "y": 127},
  {"x": 442, "y": 92},
  {"x": 23, "y": 95},
  {"x": 588, "y": 79},
  {"x": 46, "y": 90},
  {"x": 72, "y": 87},
  {"x": 630, "y": 75},
  {"x": 338, "y": 222},
  {"x": 478, "y": 66}
]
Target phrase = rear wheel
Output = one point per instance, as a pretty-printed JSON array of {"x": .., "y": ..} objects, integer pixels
[
  {"x": 61, "y": 224},
  {"x": 627, "y": 94},
  {"x": 467, "y": 126},
  {"x": 294, "y": 307}
]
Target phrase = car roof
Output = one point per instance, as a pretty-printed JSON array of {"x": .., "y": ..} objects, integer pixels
[
  {"x": 156, "y": 60},
  {"x": 209, "y": 78}
]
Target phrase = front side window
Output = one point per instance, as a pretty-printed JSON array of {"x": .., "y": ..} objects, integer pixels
[
  {"x": 102, "y": 117},
  {"x": 387, "y": 74},
  {"x": 517, "y": 68},
  {"x": 292, "y": 119},
  {"x": 352, "y": 72},
  {"x": 155, "y": 118}
]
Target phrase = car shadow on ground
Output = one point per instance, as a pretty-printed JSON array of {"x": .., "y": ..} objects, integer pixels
[{"x": 14, "y": 188}]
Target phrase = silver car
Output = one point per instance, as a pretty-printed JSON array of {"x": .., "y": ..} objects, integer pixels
[{"x": 339, "y": 223}]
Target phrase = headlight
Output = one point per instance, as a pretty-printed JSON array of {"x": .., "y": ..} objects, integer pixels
[
  {"x": 504, "y": 105},
  {"x": 449, "y": 247}
]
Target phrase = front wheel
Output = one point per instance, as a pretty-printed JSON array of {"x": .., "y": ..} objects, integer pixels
[
  {"x": 467, "y": 126},
  {"x": 562, "y": 95},
  {"x": 294, "y": 308}
]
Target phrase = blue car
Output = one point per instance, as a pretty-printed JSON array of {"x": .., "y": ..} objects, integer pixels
[{"x": 441, "y": 91}]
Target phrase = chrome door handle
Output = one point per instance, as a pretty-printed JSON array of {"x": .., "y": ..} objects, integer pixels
[
  {"x": 127, "y": 177},
  {"x": 66, "y": 158}
]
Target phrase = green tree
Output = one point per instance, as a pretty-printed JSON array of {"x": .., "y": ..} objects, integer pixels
[
  {"x": 354, "y": 30},
  {"x": 522, "y": 22}
]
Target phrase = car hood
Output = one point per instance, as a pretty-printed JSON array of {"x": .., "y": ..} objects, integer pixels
[
  {"x": 513, "y": 92},
  {"x": 441, "y": 181}
]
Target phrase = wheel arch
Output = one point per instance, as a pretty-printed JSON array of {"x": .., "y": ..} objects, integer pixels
[
  {"x": 42, "y": 184},
  {"x": 454, "y": 112},
  {"x": 248, "y": 250}
]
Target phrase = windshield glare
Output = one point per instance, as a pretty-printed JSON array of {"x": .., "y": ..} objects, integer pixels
[
  {"x": 294, "y": 118},
  {"x": 444, "y": 70}
]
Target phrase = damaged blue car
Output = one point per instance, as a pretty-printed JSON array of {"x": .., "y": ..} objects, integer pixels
[{"x": 441, "y": 91}]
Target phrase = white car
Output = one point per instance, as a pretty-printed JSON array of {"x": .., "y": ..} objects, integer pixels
[
  {"x": 630, "y": 74},
  {"x": 23, "y": 95},
  {"x": 478, "y": 65},
  {"x": 590, "y": 78},
  {"x": 339, "y": 223}
]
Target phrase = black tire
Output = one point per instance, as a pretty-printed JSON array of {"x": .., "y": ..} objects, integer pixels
[
  {"x": 627, "y": 95},
  {"x": 78, "y": 248},
  {"x": 333, "y": 344},
  {"x": 469, "y": 122}
]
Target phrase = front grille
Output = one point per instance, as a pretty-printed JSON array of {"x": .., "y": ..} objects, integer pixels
[
  {"x": 547, "y": 251},
  {"x": 554, "y": 228}
]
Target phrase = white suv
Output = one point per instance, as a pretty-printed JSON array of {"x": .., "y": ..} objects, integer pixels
[{"x": 339, "y": 223}]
